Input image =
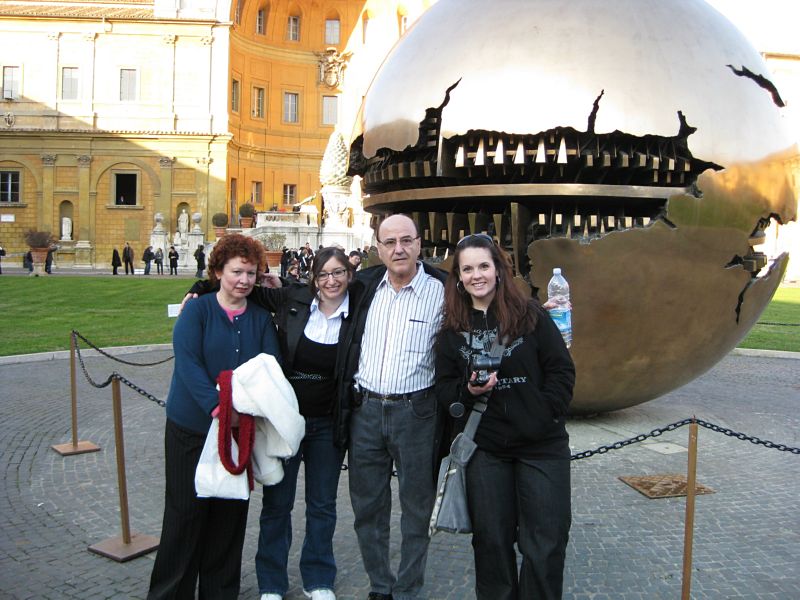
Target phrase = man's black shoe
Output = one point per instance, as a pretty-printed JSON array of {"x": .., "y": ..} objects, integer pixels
[{"x": 377, "y": 596}]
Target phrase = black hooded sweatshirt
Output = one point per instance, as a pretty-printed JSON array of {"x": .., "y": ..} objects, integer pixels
[{"x": 526, "y": 411}]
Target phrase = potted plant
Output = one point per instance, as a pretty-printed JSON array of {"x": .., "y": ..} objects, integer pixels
[
  {"x": 247, "y": 213},
  {"x": 274, "y": 243},
  {"x": 220, "y": 222},
  {"x": 40, "y": 243}
]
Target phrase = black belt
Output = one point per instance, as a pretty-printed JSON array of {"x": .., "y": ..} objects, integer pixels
[{"x": 366, "y": 394}]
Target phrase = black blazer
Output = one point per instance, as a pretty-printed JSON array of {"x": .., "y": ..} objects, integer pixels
[{"x": 291, "y": 307}]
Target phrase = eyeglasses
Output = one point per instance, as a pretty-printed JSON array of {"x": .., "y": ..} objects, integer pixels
[
  {"x": 405, "y": 242},
  {"x": 477, "y": 236},
  {"x": 336, "y": 274}
]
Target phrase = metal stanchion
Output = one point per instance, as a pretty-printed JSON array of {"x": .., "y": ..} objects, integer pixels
[
  {"x": 688, "y": 532},
  {"x": 129, "y": 545},
  {"x": 75, "y": 447}
]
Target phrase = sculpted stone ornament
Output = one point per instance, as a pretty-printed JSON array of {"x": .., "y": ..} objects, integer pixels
[
  {"x": 648, "y": 176},
  {"x": 331, "y": 67}
]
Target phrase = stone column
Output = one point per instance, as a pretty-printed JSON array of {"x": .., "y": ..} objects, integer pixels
[
  {"x": 86, "y": 202},
  {"x": 44, "y": 218},
  {"x": 163, "y": 204}
]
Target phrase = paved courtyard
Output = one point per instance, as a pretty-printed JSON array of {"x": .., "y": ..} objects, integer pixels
[{"x": 622, "y": 546}]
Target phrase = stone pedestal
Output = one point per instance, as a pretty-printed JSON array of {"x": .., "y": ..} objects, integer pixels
[
  {"x": 160, "y": 240},
  {"x": 83, "y": 255}
]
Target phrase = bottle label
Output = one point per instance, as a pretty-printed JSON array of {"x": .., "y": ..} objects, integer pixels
[{"x": 563, "y": 320}]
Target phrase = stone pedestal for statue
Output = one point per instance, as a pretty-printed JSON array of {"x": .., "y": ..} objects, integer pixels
[{"x": 83, "y": 255}]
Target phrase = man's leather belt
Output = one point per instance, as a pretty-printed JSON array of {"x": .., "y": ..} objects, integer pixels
[{"x": 366, "y": 394}]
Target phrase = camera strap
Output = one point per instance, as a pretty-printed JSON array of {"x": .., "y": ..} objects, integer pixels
[{"x": 498, "y": 347}]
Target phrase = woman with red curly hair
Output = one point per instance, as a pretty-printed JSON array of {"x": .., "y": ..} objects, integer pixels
[{"x": 203, "y": 537}]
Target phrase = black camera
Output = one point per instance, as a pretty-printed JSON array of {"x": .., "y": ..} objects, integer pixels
[{"x": 483, "y": 365}]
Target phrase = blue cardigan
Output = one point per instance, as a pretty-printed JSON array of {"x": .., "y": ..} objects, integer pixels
[{"x": 205, "y": 343}]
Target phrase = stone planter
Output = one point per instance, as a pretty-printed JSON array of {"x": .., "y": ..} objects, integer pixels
[
  {"x": 274, "y": 261},
  {"x": 39, "y": 257},
  {"x": 246, "y": 222},
  {"x": 220, "y": 231}
]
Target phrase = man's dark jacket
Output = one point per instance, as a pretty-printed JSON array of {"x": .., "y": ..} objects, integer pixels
[{"x": 371, "y": 277}]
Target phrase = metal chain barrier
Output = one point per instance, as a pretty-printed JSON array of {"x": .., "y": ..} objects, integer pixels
[
  {"x": 114, "y": 375},
  {"x": 677, "y": 424},
  {"x": 76, "y": 335}
]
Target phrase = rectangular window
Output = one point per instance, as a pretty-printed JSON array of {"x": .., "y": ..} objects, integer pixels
[
  {"x": 260, "y": 22},
  {"x": 293, "y": 29},
  {"x": 235, "y": 96},
  {"x": 290, "y": 103},
  {"x": 69, "y": 83},
  {"x": 9, "y": 186},
  {"x": 332, "y": 28},
  {"x": 289, "y": 193},
  {"x": 11, "y": 83},
  {"x": 256, "y": 196},
  {"x": 234, "y": 195},
  {"x": 237, "y": 16},
  {"x": 258, "y": 102},
  {"x": 330, "y": 110},
  {"x": 127, "y": 85},
  {"x": 125, "y": 189}
]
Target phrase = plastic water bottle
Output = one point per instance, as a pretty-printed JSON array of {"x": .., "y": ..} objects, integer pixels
[{"x": 561, "y": 311}]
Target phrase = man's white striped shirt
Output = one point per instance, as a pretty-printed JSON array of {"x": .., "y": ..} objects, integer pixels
[{"x": 397, "y": 345}]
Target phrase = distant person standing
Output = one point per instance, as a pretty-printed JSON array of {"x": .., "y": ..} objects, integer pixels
[
  {"x": 147, "y": 257},
  {"x": 116, "y": 261},
  {"x": 2, "y": 254},
  {"x": 127, "y": 258},
  {"x": 48, "y": 262},
  {"x": 159, "y": 258},
  {"x": 27, "y": 261},
  {"x": 355, "y": 259},
  {"x": 173, "y": 260},
  {"x": 200, "y": 257}
]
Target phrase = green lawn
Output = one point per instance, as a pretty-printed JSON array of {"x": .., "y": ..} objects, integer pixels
[
  {"x": 38, "y": 313},
  {"x": 778, "y": 328}
]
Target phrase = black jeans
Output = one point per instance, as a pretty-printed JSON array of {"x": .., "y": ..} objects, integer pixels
[{"x": 523, "y": 501}]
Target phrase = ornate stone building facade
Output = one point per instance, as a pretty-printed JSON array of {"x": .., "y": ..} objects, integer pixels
[{"x": 116, "y": 111}]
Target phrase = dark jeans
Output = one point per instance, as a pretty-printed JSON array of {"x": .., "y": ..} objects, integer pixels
[
  {"x": 129, "y": 265},
  {"x": 383, "y": 433},
  {"x": 160, "y": 267},
  {"x": 527, "y": 502},
  {"x": 147, "y": 267},
  {"x": 323, "y": 464},
  {"x": 200, "y": 537}
]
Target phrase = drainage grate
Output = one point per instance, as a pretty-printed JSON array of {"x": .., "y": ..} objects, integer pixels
[{"x": 663, "y": 486}]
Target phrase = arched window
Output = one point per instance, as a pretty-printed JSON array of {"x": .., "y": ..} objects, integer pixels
[{"x": 402, "y": 19}]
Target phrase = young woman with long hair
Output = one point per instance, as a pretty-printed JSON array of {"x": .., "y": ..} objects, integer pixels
[{"x": 518, "y": 480}]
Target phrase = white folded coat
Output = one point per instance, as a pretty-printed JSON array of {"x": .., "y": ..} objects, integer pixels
[{"x": 259, "y": 388}]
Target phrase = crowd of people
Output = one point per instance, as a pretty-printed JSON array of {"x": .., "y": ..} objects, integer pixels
[{"x": 376, "y": 356}]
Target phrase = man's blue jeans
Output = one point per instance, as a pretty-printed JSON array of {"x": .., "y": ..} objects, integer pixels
[
  {"x": 323, "y": 462},
  {"x": 383, "y": 432}
]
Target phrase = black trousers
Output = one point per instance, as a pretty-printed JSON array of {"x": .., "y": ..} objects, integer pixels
[
  {"x": 200, "y": 537},
  {"x": 523, "y": 501},
  {"x": 129, "y": 264}
]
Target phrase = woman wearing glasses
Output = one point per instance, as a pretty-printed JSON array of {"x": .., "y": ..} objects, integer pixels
[
  {"x": 518, "y": 480},
  {"x": 314, "y": 330}
]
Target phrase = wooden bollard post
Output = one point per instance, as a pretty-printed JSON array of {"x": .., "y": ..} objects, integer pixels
[
  {"x": 688, "y": 532},
  {"x": 128, "y": 545},
  {"x": 75, "y": 447}
]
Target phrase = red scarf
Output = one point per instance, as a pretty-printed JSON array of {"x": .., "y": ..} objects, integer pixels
[{"x": 244, "y": 435}]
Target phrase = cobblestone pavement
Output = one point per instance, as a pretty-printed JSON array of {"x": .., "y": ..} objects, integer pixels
[{"x": 622, "y": 546}]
